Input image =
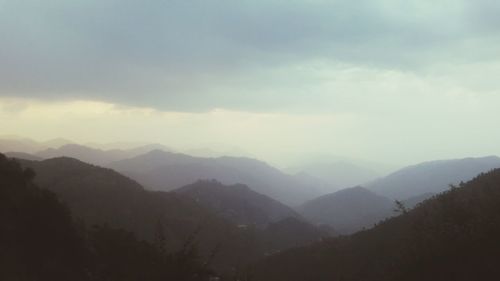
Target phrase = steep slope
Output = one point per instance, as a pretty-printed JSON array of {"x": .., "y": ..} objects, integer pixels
[
  {"x": 93, "y": 155},
  {"x": 348, "y": 210},
  {"x": 237, "y": 203},
  {"x": 160, "y": 170},
  {"x": 40, "y": 241},
  {"x": 431, "y": 177},
  {"x": 453, "y": 236},
  {"x": 102, "y": 196}
]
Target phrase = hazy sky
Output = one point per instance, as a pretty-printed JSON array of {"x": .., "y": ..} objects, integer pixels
[{"x": 392, "y": 81}]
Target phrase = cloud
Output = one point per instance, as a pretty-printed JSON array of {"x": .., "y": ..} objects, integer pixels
[{"x": 241, "y": 55}]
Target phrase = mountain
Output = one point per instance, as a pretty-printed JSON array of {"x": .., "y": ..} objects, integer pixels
[
  {"x": 37, "y": 237},
  {"x": 41, "y": 241},
  {"x": 93, "y": 155},
  {"x": 347, "y": 210},
  {"x": 431, "y": 177},
  {"x": 314, "y": 183},
  {"x": 339, "y": 174},
  {"x": 127, "y": 146},
  {"x": 26, "y": 145},
  {"x": 104, "y": 197},
  {"x": 237, "y": 203},
  {"x": 453, "y": 236},
  {"x": 23, "y": 155},
  {"x": 161, "y": 170}
]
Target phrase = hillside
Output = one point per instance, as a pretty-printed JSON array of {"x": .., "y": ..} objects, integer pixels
[
  {"x": 37, "y": 238},
  {"x": 103, "y": 196},
  {"x": 160, "y": 170},
  {"x": 453, "y": 236},
  {"x": 431, "y": 177},
  {"x": 41, "y": 241},
  {"x": 237, "y": 203},
  {"x": 347, "y": 210}
]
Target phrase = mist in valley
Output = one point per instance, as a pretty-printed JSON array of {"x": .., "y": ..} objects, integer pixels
[{"x": 249, "y": 141}]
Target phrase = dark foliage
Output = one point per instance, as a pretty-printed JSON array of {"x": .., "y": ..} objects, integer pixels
[
  {"x": 37, "y": 238},
  {"x": 40, "y": 241},
  {"x": 453, "y": 236},
  {"x": 102, "y": 196}
]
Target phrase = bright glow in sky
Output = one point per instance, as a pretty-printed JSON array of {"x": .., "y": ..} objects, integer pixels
[{"x": 390, "y": 81}]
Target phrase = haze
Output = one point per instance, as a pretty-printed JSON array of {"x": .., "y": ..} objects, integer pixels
[{"x": 387, "y": 81}]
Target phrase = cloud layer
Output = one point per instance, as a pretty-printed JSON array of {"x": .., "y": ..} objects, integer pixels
[{"x": 277, "y": 56}]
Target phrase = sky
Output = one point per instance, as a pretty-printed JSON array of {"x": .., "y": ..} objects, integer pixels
[{"x": 382, "y": 80}]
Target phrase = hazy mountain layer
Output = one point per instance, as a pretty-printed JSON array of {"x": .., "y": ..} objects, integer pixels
[
  {"x": 93, "y": 155},
  {"x": 453, "y": 236},
  {"x": 160, "y": 170},
  {"x": 431, "y": 177},
  {"x": 348, "y": 210},
  {"x": 26, "y": 145},
  {"x": 338, "y": 174},
  {"x": 237, "y": 203},
  {"x": 103, "y": 196},
  {"x": 23, "y": 155}
]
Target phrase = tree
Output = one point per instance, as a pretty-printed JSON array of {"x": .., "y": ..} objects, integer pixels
[{"x": 400, "y": 207}]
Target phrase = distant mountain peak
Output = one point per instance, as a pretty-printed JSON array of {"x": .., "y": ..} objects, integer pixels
[
  {"x": 348, "y": 210},
  {"x": 237, "y": 203},
  {"x": 432, "y": 176}
]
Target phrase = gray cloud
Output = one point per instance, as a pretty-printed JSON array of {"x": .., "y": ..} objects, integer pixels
[{"x": 198, "y": 55}]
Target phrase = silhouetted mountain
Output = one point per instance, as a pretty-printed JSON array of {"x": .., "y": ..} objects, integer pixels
[
  {"x": 160, "y": 170},
  {"x": 237, "y": 203},
  {"x": 347, "y": 210},
  {"x": 453, "y": 236},
  {"x": 431, "y": 177},
  {"x": 338, "y": 174},
  {"x": 39, "y": 241},
  {"x": 23, "y": 155},
  {"x": 103, "y": 196},
  {"x": 93, "y": 155}
]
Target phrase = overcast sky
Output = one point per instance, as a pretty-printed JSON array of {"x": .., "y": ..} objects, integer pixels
[{"x": 391, "y": 81}]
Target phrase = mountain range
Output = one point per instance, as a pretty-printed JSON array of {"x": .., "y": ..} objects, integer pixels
[
  {"x": 161, "y": 170},
  {"x": 337, "y": 175},
  {"x": 237, "y": 203},
  {"x": 95, "y": 156},
  {"x": 104, "y": 197},
  {"x": 431, "y": 177},
  {"x": 453, "y": 236},
  {"x": 348, "y": 210}
]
